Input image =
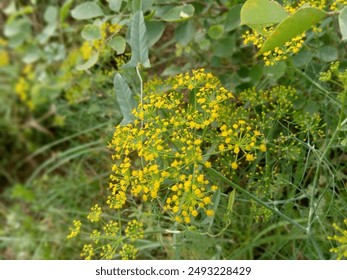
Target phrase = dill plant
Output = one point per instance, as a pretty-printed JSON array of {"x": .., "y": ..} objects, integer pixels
[
  {"x": 185, "y": 126},
  {"x": 190, "y": 142},
  {"x": 258, "y": 36}
]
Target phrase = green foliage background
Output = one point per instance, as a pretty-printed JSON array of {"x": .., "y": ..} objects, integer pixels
[{"x": 55, "y": 126}]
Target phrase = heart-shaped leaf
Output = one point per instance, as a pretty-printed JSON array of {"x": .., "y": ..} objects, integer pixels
[
  {"x": 262, "y": 13},
  {"x": 343, "y": 23},
  {"x": 292, "y": 26},
  {"x": 87, "y": 10}
]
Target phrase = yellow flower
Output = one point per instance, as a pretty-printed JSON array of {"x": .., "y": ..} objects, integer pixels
[
  {"x": 236, "y": 149},
  {"x": 234, "y": 165},
  {"x": 22, "y": 89},
  {"x": 75, "y": 230},
  {"x": 250, "y": 157},
  {"x": 128, "y": 252},
  {"x": 209, "y": 213},
  {"x": 340, "y": 250},
  {"x": 262, "y": 147},
  {"x": 88, "y": 251},
  {"x": 94, "y": 215},
  {"x": 134, "y": 230},
  {"x": 86, "y": 50},
  {"x": 4, "y": 58}
]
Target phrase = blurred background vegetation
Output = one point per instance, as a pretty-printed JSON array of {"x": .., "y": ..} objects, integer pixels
[{"x": 56, "y": 121}]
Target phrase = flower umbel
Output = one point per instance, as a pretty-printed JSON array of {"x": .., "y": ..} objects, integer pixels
[
  {"x": 94, "y": 215},
  {"x": 75, "y": 230},
  {"x": 340, "y": 250},
  {"x": 128, "y": 252},
  {"x": 134, "y": 230},
  {"x": 182, "y": 123}
]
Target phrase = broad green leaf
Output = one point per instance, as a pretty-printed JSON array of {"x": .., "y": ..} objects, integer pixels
[
  {"x": 327, "y": 54},
  {"x": 216, "y": 31},
  {"x": 160, "y": 11},
  {"x": 32, "y": 53},
  {"x": 64, "y": 11},
  {"x": 118, "y": 44},
  {"x": 292, "y": 26},
  {"x": 17, "y": 40},
  {"x": 115, "y": 5},
  {"x": 303, "y": 58},
  {"x": 276, "y": 71},
  {"x": 10, "y": 9},
  {"x": 51, "y": 14},
  {"x": 17, "y": 30},
  {"x": 262, "y": 13},
  {"x": 225, "y": 47},
  {"x": 155, "y": 30},
  {"x": 136, "y": 5},
  {"x": 47, "y": 32},
  {"x": 185, "y": 32},
  {"x": 89, "y": 63},
  {"x": 256, "y": 73},
  {"x": 91, "y": 32},
  {"x": 125, "y": 98},
  {"x": 344, "y": 127},
  {"x": 179, "y": 13},
  {"x": 147, "y": 5},
  {"x": 87, "y": 10},
  {"x": 15, "y": 27},
  {"x": 343, "y": 23},
  {"x": 138, "y": 42},
  {"x": 232, "y": 20},
  {"x": 231, "y": 201}
]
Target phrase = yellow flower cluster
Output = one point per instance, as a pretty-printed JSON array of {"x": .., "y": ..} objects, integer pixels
[
  {"x": 333, "y": 70},
  {"x": 279, "y": 53},
  {"x": 95, "y": 236},
  {"x": 337, "y": 4},
  {"x": 86, "y": 50},
  {"x": 4, "y": 55},
  {"x": 128, "y": 252},
  {"x": 272, "y": 104},
  {"x": 253, "y": 37},
  {"x": 75, "y": 230},
  {"x": 110, "y": 238},
  {"x": 23, "y": 86},
  {"x": 4, "y": 58},
  {"x": 134, "y": 230},
  {"x": 94, "y": 215},
  {"x": 180, "y": 129},
  {"x": 293, "y": 6},
  {"x": 341, "y": 250},
  {"x": 107, "y": 252},
  {"x": 107, "y": 30},
  {"x": 111, "y": 228}
]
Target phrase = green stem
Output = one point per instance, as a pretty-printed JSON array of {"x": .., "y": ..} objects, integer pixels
[
  {"x": 141, "y": 91},
  {"x": 175, "y": 242},
  {"x": 314, "y": 83},
  {"x": 256, "y": 199},
  {"x": 320, "y": 162}
]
